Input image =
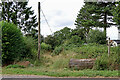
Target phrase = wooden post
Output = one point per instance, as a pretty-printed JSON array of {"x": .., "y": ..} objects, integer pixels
[
  {"x": 38, "y": 30},
  {"x": 108, "y": 47}
]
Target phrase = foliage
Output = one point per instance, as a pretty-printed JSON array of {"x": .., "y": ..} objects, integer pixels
[
  {"x": 116, "y": 13},
  {"x": 12, "y": 42},
  {"x": 61, "y": 63},
  {"x": 75, "y": 36},
  {"x": 76, "y": 40},
  {"x": 30, "y": 46},
  {"x": 15, "y": 66},
  {"x": 58, "y": 64},
  {"x": 109, "y": 63},
  {"x": 51, "y": 41},
  {"x": 94, "y": 14},
  {"x": 96, "y": 36},
  {"x": 45, "y": 46},
  {"x": 92, "y": 50},
  {"x": 62, "y": 35},
  {"x": 78, "y": 32},
  {"x": 57, "y": 50},
  {"x": 37, "y": 63},
  {"x": 14, "y": 45},
  {"x": 85, "y": 18},
  {"x": 102, "y": 63},
  {"x": 21, "y": 15}
]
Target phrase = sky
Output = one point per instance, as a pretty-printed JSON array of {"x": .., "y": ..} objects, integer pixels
[{"x": 60, "y": 14}]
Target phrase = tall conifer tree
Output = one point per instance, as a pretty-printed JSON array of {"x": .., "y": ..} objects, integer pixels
[
  {"x": 20, "y": 14},
  {"x": 96, "y": 14}
]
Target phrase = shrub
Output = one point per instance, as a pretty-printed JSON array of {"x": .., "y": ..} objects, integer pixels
[
  {"x": 45, "y": 46},
  {"x": 101, "y": 64},
  {"x": 57, "y": 50},
  {"x": 110, "y": 63},
  {"x": 30, "y": 47},
  {"x": 96, "y": 36},
  {"x": 12, "y": 42},
  {"x": 76, "y": 40},
  {"x": 15, "y": 46}
]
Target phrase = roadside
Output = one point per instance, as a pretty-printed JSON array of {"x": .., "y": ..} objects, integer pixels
[
  {"x": 43, "y": 71},
  {"x": 38, "y": 76}
]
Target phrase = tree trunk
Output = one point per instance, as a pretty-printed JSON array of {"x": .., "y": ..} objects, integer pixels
[
  {"x": 8, "y": 8},
  {"x": 105, "y": 23},
  {"x": 16, "y": 13},
  {"x": 105, "y": 20}
]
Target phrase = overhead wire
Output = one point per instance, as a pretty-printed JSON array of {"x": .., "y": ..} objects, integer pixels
[
  {"x": 43, "y": 1},
  {"x": 46, "y": 21}
]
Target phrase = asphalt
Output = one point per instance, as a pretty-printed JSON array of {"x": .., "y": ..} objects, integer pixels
[{"x": 35, "y": 77}]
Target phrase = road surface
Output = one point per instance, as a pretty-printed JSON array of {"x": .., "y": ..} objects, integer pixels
[{"x": 35, "y": 77}]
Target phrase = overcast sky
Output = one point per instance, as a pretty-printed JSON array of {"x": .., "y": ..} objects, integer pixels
[{"x": 62, "y": 13}]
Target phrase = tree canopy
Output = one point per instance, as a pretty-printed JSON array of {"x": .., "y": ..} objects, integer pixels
[
  {"x": 21, "y": 15},
  {"x": 116, "y": 13},
  {"x": 95, "y": 14}
]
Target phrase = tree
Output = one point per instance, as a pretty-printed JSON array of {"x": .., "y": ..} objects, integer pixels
[
  {"x": 95, "y": 14},
  {"x": 58, "y": 37},
  {"x": 96, "y": 36},
  {"x": 21, "y": 15},
  {"x": 86, "y": 18},
  {"x": 106, "y": 16},
  {"x": 62, "y": 35},
  {"x": 78, "y": 32},
  {"x": 51, "y": 41},
  {"x": 76, "y": 40},
  {"x": 116, "y": 13},
  {"x": 15, "y": 46},
  {"x": 12, "y": 42}
]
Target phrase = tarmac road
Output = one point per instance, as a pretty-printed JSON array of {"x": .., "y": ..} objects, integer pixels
[{"x": 35, "y": 77}]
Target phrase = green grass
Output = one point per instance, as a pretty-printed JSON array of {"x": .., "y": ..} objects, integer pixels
[
  {"x": 57, "y": 65},
  {"x": 60, "y": 72}
]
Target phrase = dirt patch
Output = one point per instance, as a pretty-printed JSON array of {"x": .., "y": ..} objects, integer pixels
[{"x": 23, "y": 63}]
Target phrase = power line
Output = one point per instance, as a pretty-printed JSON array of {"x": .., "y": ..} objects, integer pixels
[
  {"x": 46, "y": 20},
  {"x": 43, "y": 1}
]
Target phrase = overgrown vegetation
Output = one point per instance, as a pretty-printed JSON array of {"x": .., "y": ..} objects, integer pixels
[
  {"x": 83, "y": 42},
  {"x": 96, "y": 36},
  {"x": 12, "y": 42},
  {"x": 15, "y": 46}
]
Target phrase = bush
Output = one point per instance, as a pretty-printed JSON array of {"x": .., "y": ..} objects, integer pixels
[
  {"x": 110, "y": 63},
  {"x": 96, "y": 36},
  {"x": 76, "y": 40},
  {"x": 45, "y": 46},
  {"x": 102, "y": 64},
  {"x": 15, "y": 46},
  {"x": 57, "y": 50},
  {"x": 30, "y": 47},
  {"x": 12, "y": 42}
]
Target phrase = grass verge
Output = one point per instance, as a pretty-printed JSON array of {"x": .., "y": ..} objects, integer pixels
[{"x": 60, "y": 72}]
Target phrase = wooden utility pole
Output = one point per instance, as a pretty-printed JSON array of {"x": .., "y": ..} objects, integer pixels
[
  {"x": 108, "y": 47},
  {"x": 39, "y": 31}
]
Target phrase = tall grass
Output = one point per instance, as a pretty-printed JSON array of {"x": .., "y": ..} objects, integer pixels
[{"x": 95, "y": 51}]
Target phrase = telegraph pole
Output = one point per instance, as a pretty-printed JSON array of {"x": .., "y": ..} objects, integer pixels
[
  {"x": 39, "y": 30},
  {"x": 108, "y": 47}
]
